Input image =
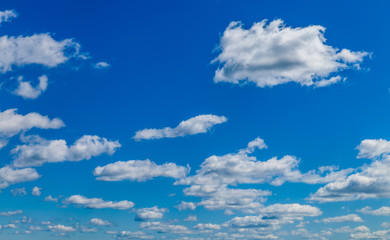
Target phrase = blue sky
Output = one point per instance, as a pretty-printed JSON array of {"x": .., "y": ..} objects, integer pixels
[{"x": 194, "y": 120}]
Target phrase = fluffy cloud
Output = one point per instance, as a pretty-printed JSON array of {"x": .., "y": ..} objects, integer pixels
[
  {"x": 36, "y": 191},
  {"x": 139, "y": 170},
  {"x": 11, "y": 213},
  {"x": 165, "y": 228},
  {"x": 293, "y": 210},
  {"x": 207, "y": 226},
  {"x": 131, "y": 235},
  {"x": 27, "y": 91},
  {"x": 12, "y": 123},
  {"x": 216, "y": 173},
  {"x": 273, "y": 54},
  {"x": 369, "y": 181},
  {"x": 192, "y": 126},
  {"x": 36, "y": 49},
  {"x": 97, "y": 203},
  {"x": 7, "y": 15},
  {"x": 40, "y": 151},
  {"x": 385, "y": 211},
  {"x": 102, "y": 65},
  {"x": 51, "y": 199},
  {"x": 9, "y": 176},
  {"x": 61, "y": 228},
  {"x": 345, "y": 218},
  {"x": 99, "y": 222},
  {"x": 18, "y": 192},
  {"x": 186, "y": 205},
  {"x": 150, "y": 213}
]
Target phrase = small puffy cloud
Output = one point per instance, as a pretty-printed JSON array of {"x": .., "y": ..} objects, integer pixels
[
  {"x": 192, "y": 126},
  {"x": 144, "y": 214},
  {"x": 18, "y": 192},
  {"x": 61, "y": 228},
  {"x": 385, "y": 211},
  {"x": 9, "y": 176},
  {"x": 11, "y": 213},
  {"x": 102, "y": 65},
  {"x": 97, "y": 203},
  {"x": 7, "y": 15},
  {"x": 186, "y": 206},
  {"x": 294, "y": 210},
  {"x": 99, "y": 222},
  {"x": 36, "y": 191},
  {"x": 40, "y": 151},
  {"x": 11, "y": 225},
  {"x": 273, "y": 54},
  {"x": 207, "y": 226},
  {"x": 345, "y": 218},
  {"x": 39, "y": 49},
  {"x": 191, "y": 218},
  {"x": 51, "y": 199},
  {"x": 27, "y": 91},
  {"x": 12, "y": 123},
  {"x": 139, "y": 170},
  {"x": 131, "y": 235}
]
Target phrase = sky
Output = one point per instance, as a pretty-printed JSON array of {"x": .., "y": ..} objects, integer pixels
[{"x": 212, "y": 119}]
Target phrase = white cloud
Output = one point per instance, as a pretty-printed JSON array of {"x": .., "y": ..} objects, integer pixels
[
  {"x": 192, "y": 126},
  {"x": 102, "y": 65},
  {"x": 18, "y": 192},
  {"x": 27, "y": 91},
  {"x": 9, "y": 176},
  {"x": 143, "y": 214},
  {"x": 207, "y": 226},
  {"x": 293, "y": 210},
  {"x": 139, "y": 170},
  {"x": 272, "y": 54},
  {"x": 51, "y": 199},
  {"x": 12, "y": 123},
  {"x": 36, "y": 49},
  {"x": 97, "y": 203},
  {"x": 11, "y": 213},
  {"x": 99, "y": 222},
  {"x": 131, "y": 235},
  {"x": 385, "y": 211},
  {"x": 186, "y": 206},
  {"x": 40, "y": 151},
  {"x": 11, "y": 225},
  {"x": 345, "y": 218},
  {"x": 165, "y": 228},
  {"x": 7, "y": 15},
  {"x": 368, "y": 181},
  {"x": 61, "y": 228},
  {"x": 36, "y": 191},
  {"x": 191, "y": 218}
]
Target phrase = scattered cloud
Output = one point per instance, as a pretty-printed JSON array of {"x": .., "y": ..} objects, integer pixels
[
  {"x": 102, "y": 65},
  {"x": 7, "y": 15},
  {"x": 99, "y": 222},
  {"x": 139, "y": 170},
  {"x": 18, "y": 192},
  {"x": 385, "y": 211},
  {"x": 9, "y": 176},
  {"x": 186, "y": 206},
  {"x": 192, "y": 126},
  {"x": 345, "y": 218},
  {"x": 39, "y": 49},
  {"x": 36, "y": 191},
  {"x": 273, "y": 54},
  {"x": 61, "y": 228},
  {"x": 51, "y": 199},
  {"x": 144, "y": 214},
  {"x": 97, "y": 203},
  {"x": 11, "y": 213},
  {"x": 27, "y": 91},
  {"x": 39, "y": 151}
]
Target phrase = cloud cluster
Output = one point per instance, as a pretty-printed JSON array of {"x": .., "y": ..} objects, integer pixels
[
  {"x": 27, "y": 91},
  {"x": 192, "y": 126},
  {"x": 273, "y": 54},
  {"x": 369, "y": 181},
  {"x": 139, "y": 170},
  {"x": 345, "y": 218},
  {"x": 97, "y": 203},
  {"x": 39, "y": 151}
]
